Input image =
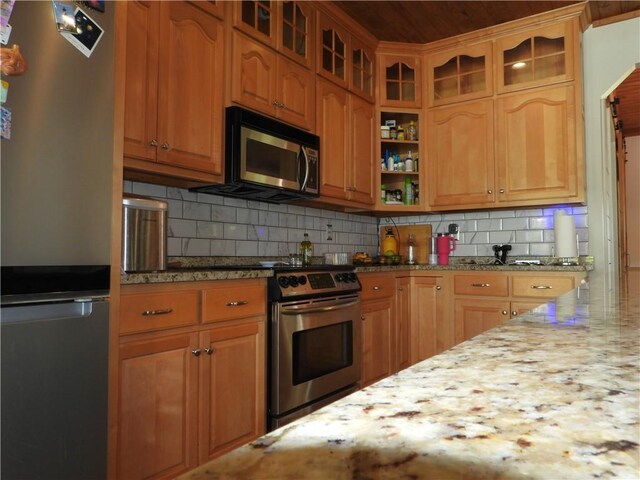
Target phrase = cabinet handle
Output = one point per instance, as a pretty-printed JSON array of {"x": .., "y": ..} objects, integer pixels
[
  {"x": 237, "y": 303},
  {"x": 164, "y": 146},
  {"x": 209, "y": 350},
  {"x": 505, "y": 312},
  {"x": 438, "y": 287},
  {"x": 162, "y": 311},
  {"x": 514, "y": 314},
  {"x": 400, "y": 289},
  {"x": 283, "y": 106},
  {"x": 489, "y": 192},
  {"x": 376, "y": 287},
  {"x": 153, "y": 143},
  {"x": 275, "y": 103},
  {"x": 362, "y": 317},
  {"x": 502, "y": 190},
  {"x": 196, "y": 352},
  {"x": 542, "y": 287},
  {"x": 481, "y": 285}
]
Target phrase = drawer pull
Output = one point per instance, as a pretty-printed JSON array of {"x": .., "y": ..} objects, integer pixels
[
  {"x": 162, "y": 311},
  {"x": 376, "y": 287},
  {"x": 481, "y": 285},
  {"x": 438, "y": 287},
  {"x": 237, "y": 303},
  {"x": 542, "y": 287}
]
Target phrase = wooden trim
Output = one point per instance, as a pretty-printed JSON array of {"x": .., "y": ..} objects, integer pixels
[
  {"x": 116, "y": 232},
  {"x": 617, "y": 18}
]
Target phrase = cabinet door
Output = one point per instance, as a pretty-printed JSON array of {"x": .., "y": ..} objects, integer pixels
[
  {"x": 377, "y": 338},
  {"x": 473, "y": 316},
  {"x": 296, "y": 31},
  {"x": 399, "y": 81},
  {"x": 296, "y": 94},
  {"x": 332, "y": 123},
  {"x": 431, "y": 331},
  {"x": 253, "y": 75},
  {"x": 141, "y": 80},
  {"x": 403, "y": 324},
  {"x": 460, "y": 154},
  {"x": 361, "y": 69},
  {"x": 190, "y": 112},
  {"x": 536, "y": 148},
  {"x": 232, "y": 405},
  {"x": 257, "y": 19},
  {"x": 333, "y": 46},
  {"x": 362, "y": 154},
  {"x": 157, "y": 407}
]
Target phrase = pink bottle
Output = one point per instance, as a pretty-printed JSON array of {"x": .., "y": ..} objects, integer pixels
[{"x": 446, "y": 244}]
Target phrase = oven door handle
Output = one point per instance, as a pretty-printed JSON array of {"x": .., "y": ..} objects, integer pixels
[{"x": 306, "y": 309}]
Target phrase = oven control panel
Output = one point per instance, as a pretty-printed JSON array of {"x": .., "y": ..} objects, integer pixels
[{"x": 292, "y": 284}]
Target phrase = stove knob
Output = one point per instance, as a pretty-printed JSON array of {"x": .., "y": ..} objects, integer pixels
[
  {"x": 293, "y": 281},
  {"x": 352, "y": 277},
  {"x": 283, "y": 282},
  {"x": 302, "y": 280},
  {"x": 339, "y": 278}
]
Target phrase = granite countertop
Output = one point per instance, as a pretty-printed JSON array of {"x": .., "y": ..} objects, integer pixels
[
  {"x": 553, "y": 394},
  {"x": 192, "y": 269}
]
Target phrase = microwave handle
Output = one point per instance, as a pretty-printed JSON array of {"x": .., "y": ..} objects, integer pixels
[{"x": 306, "y": 170}]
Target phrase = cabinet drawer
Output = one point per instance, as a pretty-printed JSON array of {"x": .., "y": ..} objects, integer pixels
[
  {"x": 493, "y": 285},
  {"x": 231, "y": 302},
  {"x": 158, "y": 311},
  {"x": 376, "y": 286},
  {"x": 542, "y": 286}
]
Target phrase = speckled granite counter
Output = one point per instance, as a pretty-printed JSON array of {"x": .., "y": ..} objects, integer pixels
[
  {"x": 169, "y": 276},
  {"x": 546, "y": 396}
]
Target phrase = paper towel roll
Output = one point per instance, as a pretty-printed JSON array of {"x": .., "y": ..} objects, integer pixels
[{"x": 565, "y": 235}]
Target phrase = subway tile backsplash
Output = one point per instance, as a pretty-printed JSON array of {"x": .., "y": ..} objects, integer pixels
[{"x": 210, "y": 225}]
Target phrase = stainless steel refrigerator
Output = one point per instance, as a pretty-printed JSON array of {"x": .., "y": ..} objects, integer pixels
[{"x": 55, "y": 250}]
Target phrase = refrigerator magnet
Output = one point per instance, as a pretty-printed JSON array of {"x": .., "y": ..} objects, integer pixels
[
  {"x": 4, "y": 91},
  {"x": 88, "y": 33},
  {"x": 5, "y": 123},
  {"x": 65, "y": 20}
]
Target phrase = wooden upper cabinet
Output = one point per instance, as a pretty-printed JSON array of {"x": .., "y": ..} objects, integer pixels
[
  {"x": 363, "y": 126},
  {"x": 460, "y": 74},
  {"x": 333, "y": 45},
  {"x": 256, "y": 18},
  {"x": 536, "y": 146},
  {"x": 537, "y": 57},
  {"x": 265, "y": 81},
  {"x": 173, "y": 87},
  {"x": 399, "y": 79},
  {"x": 460, "y": 154},
  {"x": 214, "y": 7},
  {"x": 362, "y": 58},
  {"x": 296, "y": 31}
]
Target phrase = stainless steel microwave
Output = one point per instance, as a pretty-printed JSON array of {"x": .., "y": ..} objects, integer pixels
[{"x": 267, "y": 160}]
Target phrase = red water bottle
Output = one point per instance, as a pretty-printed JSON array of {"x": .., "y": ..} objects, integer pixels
[{"x": 446, "y": 244}]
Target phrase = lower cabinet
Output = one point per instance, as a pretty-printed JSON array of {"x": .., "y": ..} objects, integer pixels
[
  {"x": 403, "y": 324},
  {"x": 474, "y": 316},
  {"x": 191, "y": 393},
  {"x": 377, "y": 334},
  {"x": 431, "y": 329}
]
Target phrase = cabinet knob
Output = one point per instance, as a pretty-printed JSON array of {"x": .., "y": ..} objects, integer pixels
[
  {"x": 376, "y": 287},
  {"x": 153, "y": 143},
  {"x": 505, "y": 312},
  {"x": 438, "y": 287},
  {"x": 502, "y": 190},
  {"x": 489, "y": 192},
  {"x": 196, "y": 352},
  {"x": 165, "y": 146},
  {"x": 209, "y": 350},
  {"x": 514, "y": 314},
  {"x": 362, "y": 317}
]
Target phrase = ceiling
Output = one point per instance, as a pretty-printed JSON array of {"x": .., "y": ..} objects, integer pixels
[
  {"x": 424, "y": 22},
  {"x": 628, "y": 92}
]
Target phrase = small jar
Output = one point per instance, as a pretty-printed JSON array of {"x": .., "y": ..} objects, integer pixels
[
  {"x": 400, "y": 133},
  {"x": 393, "y": 133},
  {"x": 398, "y": 195},
  {"x": 385, "y": 132}
]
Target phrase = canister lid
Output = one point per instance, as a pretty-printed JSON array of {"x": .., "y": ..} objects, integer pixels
[{"x": 146, "y": 203}]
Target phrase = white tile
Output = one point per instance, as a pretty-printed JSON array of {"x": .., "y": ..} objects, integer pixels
[
  {"x": 235, "y": 232},
  {"x": 222, "y": 213},
  {"x": 541, "y": 222},
  {"x": 267, "y": 249},
  {"x": 502, "y": 213},
  {"x": 485, "y": 251},
  {"x": 283, "y": 249},
  {"x": 475, "y": 215},
  {"x": 258, "y": 232},
  {"x": 466, "y": 250},
  {"x": 196, "y": 247},
  {"x": 210, "y": 230},
  {"x": 269, "y": 219},
  {"x": 150, "y": 190},
  {"x": 246, "y": 248},
  {"x": 287, "y": 220},
  {"x": 181, "y": 228},
  {"x": 235, "y": 202},
  {"x": 277, "y": 234},
  {"x": 521, "y": 223},
  {"x": 531, "y": 212},
  {"x": 580, "y": 210},
  {"x": 223, "y": 248},
  {"x": 181, "y": 194},
  {"x": 127, "y": 186},
  {"x": 174, "y": 209},
  {"x": 583, "y": 234},
  {"x": 255, "y": 205},
  {"x": 529, "y": 236},
  {"x": 475, "y": 238},
  {"x": 174, "y": 247},
  {"x": 501, "y": 238},
  {"x": 450, "y": 217},
  {"x": 245, "y": 215},
  {"x": 297, "y": 209},
  {"x": 210, "y": 199},
  {"x": 491, "y": 225},
  {"x": 327, "y": 214},
  {"x": 581, "y": 221},
  {"x": 541, "y": 249},
  {"x": 277, "y": 208},
  {"x": 548, "y": 236},
  {"x": 519, "y": 249},
  {"x": 196, "y": 211}
]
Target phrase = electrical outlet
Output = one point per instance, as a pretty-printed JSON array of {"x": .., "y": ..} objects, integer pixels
[{"x": 454, "y": 230}]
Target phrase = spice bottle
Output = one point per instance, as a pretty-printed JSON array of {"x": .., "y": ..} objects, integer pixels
[
  {"x": 412, "y": 131},
  {"x": 400, "y": 133},
  {"x": 306, "y": 250}
]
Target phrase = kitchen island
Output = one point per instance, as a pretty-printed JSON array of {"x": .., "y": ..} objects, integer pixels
[{"x": 553, "y": 394}]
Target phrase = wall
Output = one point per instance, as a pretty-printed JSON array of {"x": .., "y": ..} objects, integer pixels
[
  {"x": 609, "y": 53},
  {"x": 210, "y": 225},
  {"x": 633, "y": 200}
]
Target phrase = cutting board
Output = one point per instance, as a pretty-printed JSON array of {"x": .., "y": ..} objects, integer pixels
[{"x": 421, "y": 236}]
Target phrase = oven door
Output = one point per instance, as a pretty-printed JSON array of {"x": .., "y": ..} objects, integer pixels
[{"x": 315, "y": 350}]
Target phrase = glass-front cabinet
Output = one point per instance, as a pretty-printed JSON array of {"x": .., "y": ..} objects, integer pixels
[
  {"x": 537, "y": 57},
  {"x": 361, "y": 69},
  {"x": 399, "y": 78},
  {"x": 256, "y": 18},
  {"x": 296, "y": 29},
  {"x": 333, "y": 48},
  {"x": 460, "y": 74}
]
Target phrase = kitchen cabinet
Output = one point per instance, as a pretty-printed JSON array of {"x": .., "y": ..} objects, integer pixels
[
  {"x": 460, "y": 74},
  {"x": 403, "y": 332},
  {"x": 431, "y": 328},
  {"x": 345, "y": 124},
  {"x": 268, "y": 82},
  {"x": 190, "y": 387},
  {"x": 333, "y": 46},
  {"x": 460, "y": 154},
  {"x": 474, "y": 316},
  {"x": 378, "y": 326},
  {"x": 362, "y": 61},
  {"x": 399, "y": 80},
  {"x": 173, "y": 91}
]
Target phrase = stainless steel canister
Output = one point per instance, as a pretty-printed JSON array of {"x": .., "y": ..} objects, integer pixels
[{"x": 144, "y": 234}]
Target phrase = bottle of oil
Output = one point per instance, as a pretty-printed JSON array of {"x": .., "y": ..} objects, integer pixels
[
  {"x": 389, "y": 244},
  {"x": 306, "y": 250}
]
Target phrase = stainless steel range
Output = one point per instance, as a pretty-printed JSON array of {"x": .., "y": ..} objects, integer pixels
[{"x": 314, "y": 340}]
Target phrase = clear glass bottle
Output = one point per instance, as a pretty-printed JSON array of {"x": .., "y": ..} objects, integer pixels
[
  {"x": 411, "y": 250},
  {"x": 306, "y": 250},
  {"x": 412, "y": 131}
]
